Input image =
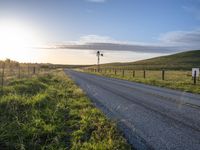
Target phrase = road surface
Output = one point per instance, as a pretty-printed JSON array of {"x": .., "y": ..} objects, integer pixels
[{"x": 150, "y": 117}]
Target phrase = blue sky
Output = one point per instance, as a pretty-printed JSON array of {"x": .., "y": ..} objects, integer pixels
[{"x": 149, "y": 27}]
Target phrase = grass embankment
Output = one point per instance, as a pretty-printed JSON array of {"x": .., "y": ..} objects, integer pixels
[
  {"x": 180, "y": 80},
  {"x": 180, "y": 61},
  {"x": 50, "y": 112},
  {"x": 177, "y": 74}
]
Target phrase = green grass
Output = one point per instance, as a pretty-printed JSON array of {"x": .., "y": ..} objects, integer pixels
[
  {"x": 51, "y": 112},
  {"x": 177, "y": 71},
  {"x": 180, "y": 80},
  {"x": 179, "y": 61}
]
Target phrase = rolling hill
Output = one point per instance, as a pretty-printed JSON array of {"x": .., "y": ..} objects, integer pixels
[{"x": 179, "y": 61}]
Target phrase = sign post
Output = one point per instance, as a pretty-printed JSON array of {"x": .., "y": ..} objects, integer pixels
[{"x": 195, "y": 74}]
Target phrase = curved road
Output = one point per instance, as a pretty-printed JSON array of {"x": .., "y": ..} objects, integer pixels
[{"x": 150, "y": 117}]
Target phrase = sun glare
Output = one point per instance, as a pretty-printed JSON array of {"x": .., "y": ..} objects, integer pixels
[{"x": 17, "y": 40}]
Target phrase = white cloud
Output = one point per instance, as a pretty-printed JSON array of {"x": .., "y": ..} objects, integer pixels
[
  {"x": 105, "y": 39},
  {"x": 181, "y": 37},
  {"x": 95, "y": 42},
  {"x": 184, "y": 39},
  {"x": 95, "y": 39},
  {"x": 169, "y": 42}
]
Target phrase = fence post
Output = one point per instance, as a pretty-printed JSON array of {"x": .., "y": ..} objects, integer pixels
[
  {"x": 195, "y": 77},
  {"x": 115, "y": 72},
  {"x": 163, "y": 74},
  {"x": 19, "y": 71},
  {"x": 133, "y": 73},
  {"x": 38, "y": 70},
  {"x": 3, "y": 72},
  {"x": 123, "y": 72},
  {"x": 28, "y": 71},
  {"x": 144, "y": 74},
  {"x": 34, "y": 70}
]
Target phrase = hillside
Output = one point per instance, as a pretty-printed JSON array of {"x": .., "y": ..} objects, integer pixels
[{"x": 180, "y": 61}]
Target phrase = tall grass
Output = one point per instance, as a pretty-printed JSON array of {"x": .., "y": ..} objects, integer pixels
[
  {"x": 50, "y": 112},
  {"x": 181, "y": 80}
]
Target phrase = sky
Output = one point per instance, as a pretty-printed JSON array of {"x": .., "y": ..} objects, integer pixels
[{"x": 71, "y": 31}]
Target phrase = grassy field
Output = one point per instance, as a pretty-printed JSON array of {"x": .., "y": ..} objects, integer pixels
[
  {"x": 177, "y": 71},
  {"x": 180, "y": 80},
  {"x": 50, "y": 112},
  {"x": 179, "y": 61}
]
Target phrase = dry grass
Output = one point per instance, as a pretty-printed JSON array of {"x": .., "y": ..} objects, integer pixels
[{"x": 181, "y": 80}]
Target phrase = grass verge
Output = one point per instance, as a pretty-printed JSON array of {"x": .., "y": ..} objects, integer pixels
[
  {"x": 51, "y": 112},
  {"x": 176, "y": 80}
]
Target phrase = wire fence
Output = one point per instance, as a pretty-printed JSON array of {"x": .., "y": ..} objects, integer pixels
[
  {"x": 161, "y": 75},
  {"x": 9, "y": 72}
]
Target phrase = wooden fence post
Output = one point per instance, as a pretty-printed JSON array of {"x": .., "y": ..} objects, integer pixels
[
  {"x": 34, "y": 70},
  {"x": 123, "y": 72},
  {"x": 19, "y": 72},
  {"x": 144, "y": 74},
  {"x": 28, "y": 71},
  {"x": 163, "y": 74},
  {"x": 133, "y": 73},
  {"x": 115, "y": 72},
  {"x": 38, "y": 69},
  {"x": 2, "y": 76}
]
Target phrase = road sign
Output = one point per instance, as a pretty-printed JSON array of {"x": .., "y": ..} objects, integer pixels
[{"x": 195, "y": 70}]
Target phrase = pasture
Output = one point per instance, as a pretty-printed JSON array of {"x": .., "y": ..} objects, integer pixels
[
  {"x": 175, "y": 79},
  {"x": 47, "y": 110}
]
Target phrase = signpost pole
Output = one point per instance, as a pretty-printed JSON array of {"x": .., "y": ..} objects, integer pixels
[
  {"x": 195, "y": 78},
  {"x": 195, "y": 75}
]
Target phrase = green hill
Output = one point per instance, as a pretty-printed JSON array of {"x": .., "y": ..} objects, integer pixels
[{"x": 179, "y": 61}]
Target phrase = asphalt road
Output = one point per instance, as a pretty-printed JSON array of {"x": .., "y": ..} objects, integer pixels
[{"x": 150, "y": 117}]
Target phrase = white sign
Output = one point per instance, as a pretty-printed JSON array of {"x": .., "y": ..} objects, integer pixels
[{"x": 193, "y": 72}]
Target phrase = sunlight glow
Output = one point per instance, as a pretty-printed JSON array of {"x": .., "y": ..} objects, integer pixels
[{"x": 17, "y": 40}]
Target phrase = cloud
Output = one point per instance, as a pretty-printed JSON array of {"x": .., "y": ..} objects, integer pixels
[
  {"x": 95, "y": 39},
  {"x": 97, "y": 1},
  {"x": 169, "y": 42},
  {"x": 184, "y": 39},
  {"x": 95, "y": 42},
  {"x": 119, "y": 47}
]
